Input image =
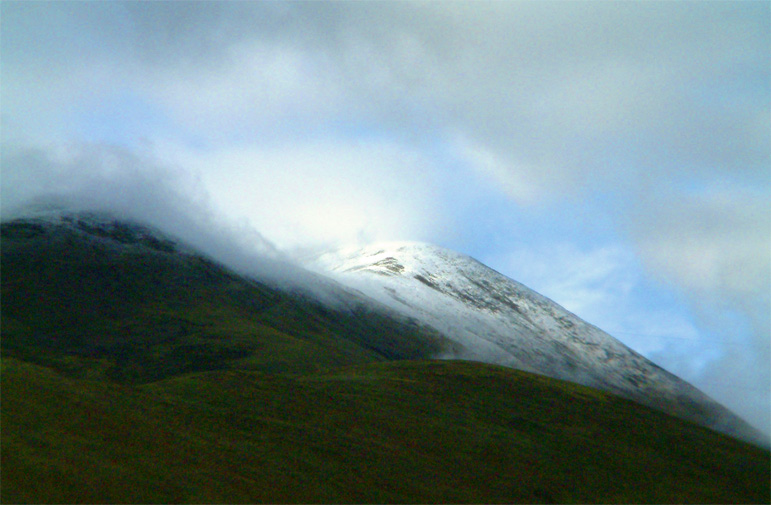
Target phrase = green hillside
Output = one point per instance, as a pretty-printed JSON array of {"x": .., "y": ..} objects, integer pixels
[
  {"x": 133, "y": 372},
  {"x": 110, "y": 301},
  {"x": 417, "y": 431}
]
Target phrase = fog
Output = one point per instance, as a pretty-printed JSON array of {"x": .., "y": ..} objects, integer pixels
[{"x": 111, "y": 181}]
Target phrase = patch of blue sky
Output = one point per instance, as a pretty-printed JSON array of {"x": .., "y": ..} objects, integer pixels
[
  {"x": 750, "y": 88},
  {"x": 123, "y": 119},
  {"x": 499, "y": 223}
]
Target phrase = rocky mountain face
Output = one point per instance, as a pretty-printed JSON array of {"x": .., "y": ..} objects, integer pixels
[{"x": 494, "y": 319}]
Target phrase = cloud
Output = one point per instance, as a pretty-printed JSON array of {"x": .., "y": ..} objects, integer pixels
[
  {"x": 556, "y": 92},
  {"x": 96, "y": 178},
  {"x": 715, "y": 248},
  {"x": 324, "y": 192},
  {"x": 521, "y": 184},
  {"x": 714, "y": 241}
]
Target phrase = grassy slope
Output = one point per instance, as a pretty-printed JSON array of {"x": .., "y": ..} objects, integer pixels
[
  {"x": 136, "y": 374},
  {"x": 114, "y": 309},
  {"x": 409, "y": 431}
]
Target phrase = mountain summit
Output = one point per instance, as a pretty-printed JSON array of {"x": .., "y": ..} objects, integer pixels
[
  {"x": 388, "y": 301},
  {"x": 138, "y": 369},
  {"x": 497, "y": 320}
]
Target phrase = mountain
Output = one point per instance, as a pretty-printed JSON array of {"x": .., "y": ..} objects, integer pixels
[
  {"x": 494, "y": 319},
  {"x": 99, "y": 298},
  {"x": 134, "y": 369}
]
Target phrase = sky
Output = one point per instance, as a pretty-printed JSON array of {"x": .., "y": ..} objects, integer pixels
[{"x": 613, "y": 155}]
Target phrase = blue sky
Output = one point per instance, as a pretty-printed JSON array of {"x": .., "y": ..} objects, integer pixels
[{"x": 614, "y": 156}]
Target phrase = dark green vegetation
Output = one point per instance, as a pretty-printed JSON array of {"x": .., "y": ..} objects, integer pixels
[
  {"x": 134, "y": 374},
  {"x": 411, "y": 431},
  {"x": 112, "y": 301}
]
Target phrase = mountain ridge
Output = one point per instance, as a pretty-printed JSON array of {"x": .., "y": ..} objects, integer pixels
[
  {"x": 137, "y": 371},
  {"x": 498, "y": 320},
  {"x": 151, "y": 307},
  {"x": 474, "y": 309}
]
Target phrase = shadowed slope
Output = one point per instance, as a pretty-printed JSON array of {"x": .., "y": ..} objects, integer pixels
[{"x": 102, "y": 299}]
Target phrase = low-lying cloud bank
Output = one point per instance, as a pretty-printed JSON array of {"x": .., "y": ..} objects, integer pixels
[
  {"x": 118, "y": 183},
  {"x": 112, "y": 179}
]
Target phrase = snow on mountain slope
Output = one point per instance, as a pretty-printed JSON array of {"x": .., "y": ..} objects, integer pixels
[{"x": 494, "y": 319}]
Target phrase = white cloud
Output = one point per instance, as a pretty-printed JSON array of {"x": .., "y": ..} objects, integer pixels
[
  {"x": 325, "y": 192},
  {"x": 519, "y": 182},
  {"x": 129, "y": 186},
  {"x": 572, "y": 92},
  {"x": 717, "y": 241},
  {"x": 253, "y": 92},
  {"x": 714, "y": 247}
]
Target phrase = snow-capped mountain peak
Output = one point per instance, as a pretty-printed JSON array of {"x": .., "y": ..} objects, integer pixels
[
  {"x": 494, "y": 319},
  {"x": 443, "y": 285}
]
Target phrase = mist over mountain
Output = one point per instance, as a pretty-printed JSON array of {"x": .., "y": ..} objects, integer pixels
[
  {"x": 480, "y": 314},
  {"x": 116, "y": 183},
  {"x": 143, "y": 187},
  {"x": 141, "y": 302},
  {"x": 122, "y": 341}
]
